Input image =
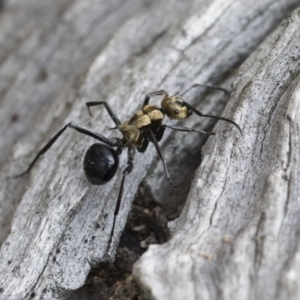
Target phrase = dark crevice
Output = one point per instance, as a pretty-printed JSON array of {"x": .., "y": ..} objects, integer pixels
[
  {"x": 258, "y": 240},
  {"x": 289, "y": 154},
  {"x": 183, "y": 163},
  {"x": 146, "y": 224}
]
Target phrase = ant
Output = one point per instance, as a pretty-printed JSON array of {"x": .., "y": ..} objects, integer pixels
[{"x": 101, "y": 160}]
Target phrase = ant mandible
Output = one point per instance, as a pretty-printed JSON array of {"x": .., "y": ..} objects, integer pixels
[{"x": 101, "y": 160}]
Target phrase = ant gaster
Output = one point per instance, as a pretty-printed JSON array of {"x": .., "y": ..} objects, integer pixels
[{"x": 101, "y": 160}]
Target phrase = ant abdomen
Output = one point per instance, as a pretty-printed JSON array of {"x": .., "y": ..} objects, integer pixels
[{"x": 100, "y": 164}]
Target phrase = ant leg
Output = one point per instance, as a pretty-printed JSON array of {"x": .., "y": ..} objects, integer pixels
[
  {"x": 83, "y": 130},
  {"x": 108, "y": 108},
  {"x": 160, "y": 132},
  {"x": 161, "y": 156},
  {"x": 128, "y": 169},
  {"x": 158, "y": 93},
  {"x": 206, "y": 86},
  {"x": 187, "y": 129}
]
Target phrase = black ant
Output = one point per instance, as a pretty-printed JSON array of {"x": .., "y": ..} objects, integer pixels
[{"x": 101, "y": 160}]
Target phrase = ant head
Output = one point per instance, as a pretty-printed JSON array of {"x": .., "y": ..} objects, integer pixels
[{"x": 175, "y": 108}]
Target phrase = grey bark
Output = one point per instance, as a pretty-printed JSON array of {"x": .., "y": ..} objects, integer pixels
[
  {"x": 241, "y": 214},
  {"x": 238, "y": 235}
]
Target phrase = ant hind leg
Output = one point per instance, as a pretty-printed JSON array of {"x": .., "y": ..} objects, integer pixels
[
  {"x": 128, "y": 169},
  {"x": 80, "y": 129}
]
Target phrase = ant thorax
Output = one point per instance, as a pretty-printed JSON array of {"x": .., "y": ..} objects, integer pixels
[{"x": 148, "y": 116}]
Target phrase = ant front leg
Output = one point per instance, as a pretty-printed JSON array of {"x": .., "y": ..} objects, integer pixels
[
  {"x": 205, "y": 86},
  {"x": 83, "y": 130},
  {"x": 128, "y": 169},
  {"x": 108, "y": 108},
  {"x": 158, "y": 93},
  {"x": 187, "y": 129}
]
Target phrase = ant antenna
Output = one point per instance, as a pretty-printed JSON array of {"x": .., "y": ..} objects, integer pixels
[
  {"x": 209, "y": 116},
  {"x": 206, "y": 86},
  {"x": 197, "y": 112}
]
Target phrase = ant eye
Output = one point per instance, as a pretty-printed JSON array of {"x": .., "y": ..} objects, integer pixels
[{"x": 176, "y": 112}]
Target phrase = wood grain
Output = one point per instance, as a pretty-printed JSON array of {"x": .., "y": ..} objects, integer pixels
[{"x": 57, "y": 55}]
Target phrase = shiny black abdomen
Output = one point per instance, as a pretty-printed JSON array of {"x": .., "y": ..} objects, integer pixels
[{"x": 100, "y": 164}]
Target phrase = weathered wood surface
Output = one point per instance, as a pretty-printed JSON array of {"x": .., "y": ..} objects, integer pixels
[
  {"x": 57, "y": 55},
  {"x": 238, "y": 235}
]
